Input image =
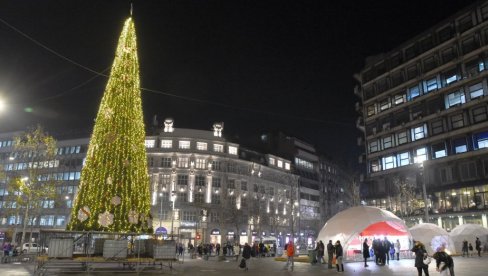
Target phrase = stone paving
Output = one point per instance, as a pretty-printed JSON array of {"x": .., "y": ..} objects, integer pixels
[{"x": 473, "y": 266}]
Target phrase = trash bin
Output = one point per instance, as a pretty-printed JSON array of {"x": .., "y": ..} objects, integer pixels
[{"x": 312, "y": 256}]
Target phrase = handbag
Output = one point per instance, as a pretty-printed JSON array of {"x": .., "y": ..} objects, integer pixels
[
  {"x": 243, "y": 263},
  {"x": 427, "y": 260}
]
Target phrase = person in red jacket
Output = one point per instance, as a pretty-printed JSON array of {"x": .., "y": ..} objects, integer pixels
[{"x": 290, "y": 253}]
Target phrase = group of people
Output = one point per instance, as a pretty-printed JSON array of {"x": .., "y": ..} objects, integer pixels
[
  {"x": 469, "y": 247},
  {"x": 210, "y": 249},
  {"x": 444, "y": 262},
  {"x": 382, "y": 250},
  {"x": 261, "y": 250}
]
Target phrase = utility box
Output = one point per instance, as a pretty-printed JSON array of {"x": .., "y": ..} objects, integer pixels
[
  {"x": 115, "y": 249},
  {"x": 167, "y": 250},
  {"x": 60, "y": 248}
]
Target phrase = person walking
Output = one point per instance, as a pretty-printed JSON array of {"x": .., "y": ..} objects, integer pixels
[
  {"x": 338, "y": 253},
  {"x": 330, "y": 253},
  {"x": 420, "y": 254},
  {"x": 470, "y": 250},
  {"x": 290, "y": 253},
  {"x": 321, "y": 252},
  {"x": 397, "y": 249},
  {"x": 365, "y": 252},
  {"x": 465, "y": 248},
  {"x": 478, "y": 246},
  {"x": 386, "y": 251},
  {"x": 217, "y": 249},
  {"x": 246, "y": 256}
]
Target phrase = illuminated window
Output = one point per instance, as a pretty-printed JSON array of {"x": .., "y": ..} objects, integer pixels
[
  {"x": 476, "y": 90},
  {"x": 413, "y": 92},
  {"x": 439, "y": 150},
  {"x": 150, "y": 143},
  {"x": 371, "y": 110},
  {"x": 201, "y": 146},
  {"x": 403, "y": 159},
  {"x": 431, "y": 85},
  {"x": 183, "y": 162},
  {"x": 402, "y": 137},
  {"x": 201, "y": 163},
  {"x": 303, "y": 163},
  {"x": 375, "y": 166},
  {"x": 420, "y": 155},
  {"x": 419, "y": 132},
  {"x": 385, "y": 104},
  {"x": 232, "y": 150},
  {"x": 387, "y": 142},
  {"x": 280, "y": 164},
  {"x": 271, "y": 161},
  {"x": 287, "y": 166},
  {"x": 454, "y": 99},
  {"x": 399, "y": 99},
  {"x": 218, "y": 148},
  {"x": 373, "y": 146},
  {"x": 166, "y": 144},
  {"x": 460, "y": 145},
  {"x": 184, "y": 144},
  {"x": 389, "y": 162}
]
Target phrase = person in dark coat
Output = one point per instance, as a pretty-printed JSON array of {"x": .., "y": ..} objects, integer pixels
[
  {"x": 320, "y": 252},
  {"x": 330, "y": 253},
  {"x": 443, "y": 261},
  {"x": 478, "y": 246},
  {"x": 246, "y": 254},
  {"x": 376, "y": 250},
  {"x": 339, "y": 253},
  {"x": 465, "y": 248},
  {"x": 386, "y": 251},
  {"x": 420, "y": 253},
  {"x": 365, "y": 252}
]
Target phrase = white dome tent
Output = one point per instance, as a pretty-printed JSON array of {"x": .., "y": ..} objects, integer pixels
[
  {"x": 432, "y": 236},
  {"x": 352, "y": 225},
  {"x": 468, "y": 232}
]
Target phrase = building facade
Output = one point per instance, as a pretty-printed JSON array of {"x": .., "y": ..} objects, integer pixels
[
  {"x": 204, "y": 188},
  {"x": 425, "y": 122}
]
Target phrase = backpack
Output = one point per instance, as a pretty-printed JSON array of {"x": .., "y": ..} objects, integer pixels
[{"x": 243, "y": 263}]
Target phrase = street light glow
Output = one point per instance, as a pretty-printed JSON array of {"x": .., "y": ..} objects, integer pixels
[{"x": 2, "y": 105}]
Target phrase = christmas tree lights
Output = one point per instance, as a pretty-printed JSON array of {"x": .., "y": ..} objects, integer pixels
[{"x": 113, "y": 194}]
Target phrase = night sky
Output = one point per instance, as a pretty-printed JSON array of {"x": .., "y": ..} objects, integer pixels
[{"x": 255, "y": 65}]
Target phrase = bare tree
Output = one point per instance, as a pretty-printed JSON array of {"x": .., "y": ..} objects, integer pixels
[{"x": 36, "y": 149}]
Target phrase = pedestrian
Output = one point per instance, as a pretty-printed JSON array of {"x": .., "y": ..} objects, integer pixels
[
  {"x": 180, "y": 249},
  {"x": 478, "y": 246},
  {"x": 320, "y": 252},
  {"x": 338, "y": 253},
  {"x": 465, "y": 248},
  {"x": 444, "y": 262},
  {"x": 470, "y": 250},
  {"x": 330, "y": 253},
  {"x": 386, "y": 250},
  {"x": 365, "y": 252},
  {"x": 376, "y": 250},
  {"x": 217, "y": 249},
  {"x": 397, "y": 249},
  {"x": 290, "y": 253},
  {"x": 420, "y": 254},
  {"x": 246, "y": 256}
]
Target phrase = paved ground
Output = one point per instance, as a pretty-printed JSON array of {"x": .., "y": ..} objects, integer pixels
[{"x": 267, "y": 266}]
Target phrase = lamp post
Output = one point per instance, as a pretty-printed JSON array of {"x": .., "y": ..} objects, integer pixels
[
  {"x": 161, "y": 210},
  {"x": 173, "y": 199}
]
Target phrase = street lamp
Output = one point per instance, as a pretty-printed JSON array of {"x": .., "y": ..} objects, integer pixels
[
  {"x": 2, "y": 105},
  {"x": 173, "y": 199}
]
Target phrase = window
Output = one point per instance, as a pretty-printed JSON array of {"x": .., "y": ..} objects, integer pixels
[
  {"x": 410, "y": 52},
  {"x": 199, "y": 198},
  {"x": 413, "y": 92},
  {"x": 420, "y": 155},
  {"x": 231, "y": 184},
  {"x": 303, "y": 163},
  {"x": 150, "y": 143},
  {"x": 448, "y": 54},
  {"x": 373, "y": 146},
  {"x": 476, "y": 90},
  {"x": 166, "y": 162},
  {"x": 396, "y": 78},
  {"x": 389, "y": 162},
  {"x": 243, "y": 185},
  {"x": 280, "y": 164},
  {"x": 201, "y": 163},
  {"x": 201, "y": 146},
  {"x": 166, "y": 144},
  {"x": 385, "y": 104},
  {"x": 480, "y": 140},
  {"x": 457, "y": 121},
  {"x": 419, "y": 132},
  {"x": 429, "y": 63},
  {"x": 387, "y": 142},
  {"x": 287, "y": 166},
  {"x": 469, "y": 45},
  {"x": 399, "y": 99},
  {"x": 431, "y": 85},
  {"x": 371, "y": 110},
  {"x": 218, "y": 148},
  {"x": 460, "y": 145},
  {"x": 189, "y": 216},
  {"x": 437, "y": 127},
  {"x": 60, "y": 220},
  {"x": 412, "y": 72},
  {"x": 184, "y": 144},
  {"x": 232, "y": 150},
  {"x": 455, "y": 98},
  {"x": 200, "y": 181},
  {"x": 183, "y": 162},
  {"x": 450, "y": 77},
  {"x": 375, "y": 166},
  {"x": 216, "y": 165},
  {"x": 182, "y": 197},
  {"x": 403, "y": 159},
  {"x": 215, "y": 198},
  {"x": 182, "y": 179},
  {"x": 216, "y": 182},
  {"x": 439, "y": 150},
  {"x": 479, "y": 114},
  {"x": 465, "y": 23},
  {"x": 47, "y": 220},
  {"x": 271, "y": 161},
  {"x": 402, "y": 137}
]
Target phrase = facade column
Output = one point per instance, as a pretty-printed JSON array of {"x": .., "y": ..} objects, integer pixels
[
  {"x": 191, "y": 186},
  {"x": 439, "y": 222},
  {"x": 460, "y": 220},
  {"x": 484, "y": 220}
]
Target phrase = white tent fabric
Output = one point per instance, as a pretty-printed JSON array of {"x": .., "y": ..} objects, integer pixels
[
  {"x": 467, "y": 232},
  {"x": 432, "y": 236},
  {"x": 348, "y": 224}
]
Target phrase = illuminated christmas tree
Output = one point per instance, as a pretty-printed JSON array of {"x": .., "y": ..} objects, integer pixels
[{"x": 114, "y": 192}]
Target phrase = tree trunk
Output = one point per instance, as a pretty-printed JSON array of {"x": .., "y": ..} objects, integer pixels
[{"x": 24, "y": 224}]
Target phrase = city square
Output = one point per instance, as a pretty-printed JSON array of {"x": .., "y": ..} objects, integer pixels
[{"x": 216, "y": 137}]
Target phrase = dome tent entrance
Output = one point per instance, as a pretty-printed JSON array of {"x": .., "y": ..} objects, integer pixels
[
  {"x": 432, "y": 236},
  {"x": 352, "y": 225}
]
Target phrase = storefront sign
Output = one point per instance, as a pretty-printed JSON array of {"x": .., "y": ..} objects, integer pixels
[
  {"x": 188, "y": 224},
  {"x": 254, "y": 233},
  {"x": 272, "y": 234},
  {"x": 215, "y": 232},
  {"x": 243, "y": 233},
  {"x": 230, "y": 233},
  {"x": 161, "y": 231}
]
